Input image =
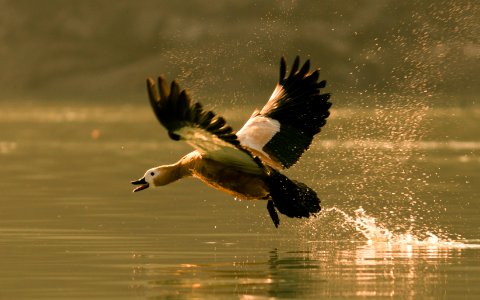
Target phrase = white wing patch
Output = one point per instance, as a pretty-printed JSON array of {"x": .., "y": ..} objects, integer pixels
[
  {"x": 217, "y": 149},
  {"x": 257, "y": 132}
]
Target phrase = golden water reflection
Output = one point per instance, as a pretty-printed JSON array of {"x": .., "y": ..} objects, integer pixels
[{"x": 323, "y": 269}]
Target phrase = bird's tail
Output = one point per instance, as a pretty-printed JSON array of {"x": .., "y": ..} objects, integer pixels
[{"x": 292, "y": 198}]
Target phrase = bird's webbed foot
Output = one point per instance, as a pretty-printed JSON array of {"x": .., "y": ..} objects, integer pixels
[{"x": 273, "y": 213}]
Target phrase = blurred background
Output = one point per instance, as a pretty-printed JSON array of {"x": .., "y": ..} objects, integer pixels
[{"x": 228, "y": 51}]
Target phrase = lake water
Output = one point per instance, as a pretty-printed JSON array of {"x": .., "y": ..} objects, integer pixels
[{"x": 399, "y": 187}]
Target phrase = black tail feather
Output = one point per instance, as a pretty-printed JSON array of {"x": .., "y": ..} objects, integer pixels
[{"x": 291, "y": 198}]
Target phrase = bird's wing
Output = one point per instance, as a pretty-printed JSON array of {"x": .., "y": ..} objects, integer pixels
[
  {"x": 204, "y": 130},
  {"x": 295, "y": 112}
]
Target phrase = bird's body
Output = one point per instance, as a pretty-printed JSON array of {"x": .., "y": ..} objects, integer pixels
[
  {"x": 245, "y": 164},
  {"x": 238, "y": 183},
  {"x": 230, "y": 180}
]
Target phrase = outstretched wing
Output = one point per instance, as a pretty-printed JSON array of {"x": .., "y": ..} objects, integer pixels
[
  {"x": 295, "y": 112},
  {"x": 204, "y": 130}
]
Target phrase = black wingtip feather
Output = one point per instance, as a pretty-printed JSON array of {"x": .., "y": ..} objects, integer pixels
[
  {"x": 162, "y": 87},
  {"x": 153, "y": 96},
  {"x": 296, "y": 63},
  {"x": 322, "y": 84},
  {"x": 305, "y": 68},
  {"x": 283, "y": 69},
  {"x": 314, "y": 76},
  {"x": 174, "y": 90},
  {"x": 152, "y": 92}
]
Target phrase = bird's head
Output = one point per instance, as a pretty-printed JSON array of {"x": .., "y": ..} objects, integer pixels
[{"x": 155, "y": 177}]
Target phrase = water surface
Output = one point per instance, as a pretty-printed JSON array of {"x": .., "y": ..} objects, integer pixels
[{"x": 399, "y": 219}]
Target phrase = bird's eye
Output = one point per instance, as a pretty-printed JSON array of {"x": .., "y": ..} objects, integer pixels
[{"x": 152, "y": 173}]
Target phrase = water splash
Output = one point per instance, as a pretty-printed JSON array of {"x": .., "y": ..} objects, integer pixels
[{"x": 367, "y": 227}]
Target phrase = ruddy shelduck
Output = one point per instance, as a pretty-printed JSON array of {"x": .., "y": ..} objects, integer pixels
[{"x": 246, "y": 164}]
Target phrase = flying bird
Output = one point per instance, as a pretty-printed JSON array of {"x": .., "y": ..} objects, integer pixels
[{"x": 246, "y": 164}]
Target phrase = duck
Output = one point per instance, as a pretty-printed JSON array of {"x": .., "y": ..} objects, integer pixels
[{"x": 246, "y": 164}]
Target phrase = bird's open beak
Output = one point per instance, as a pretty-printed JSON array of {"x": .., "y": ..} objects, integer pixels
[{"x": 142, "y": 182}]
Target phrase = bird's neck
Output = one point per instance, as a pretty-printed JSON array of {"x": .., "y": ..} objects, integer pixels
[
  {"x": 169, "y": 174},
  {"x": 180, "y": 169}
]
